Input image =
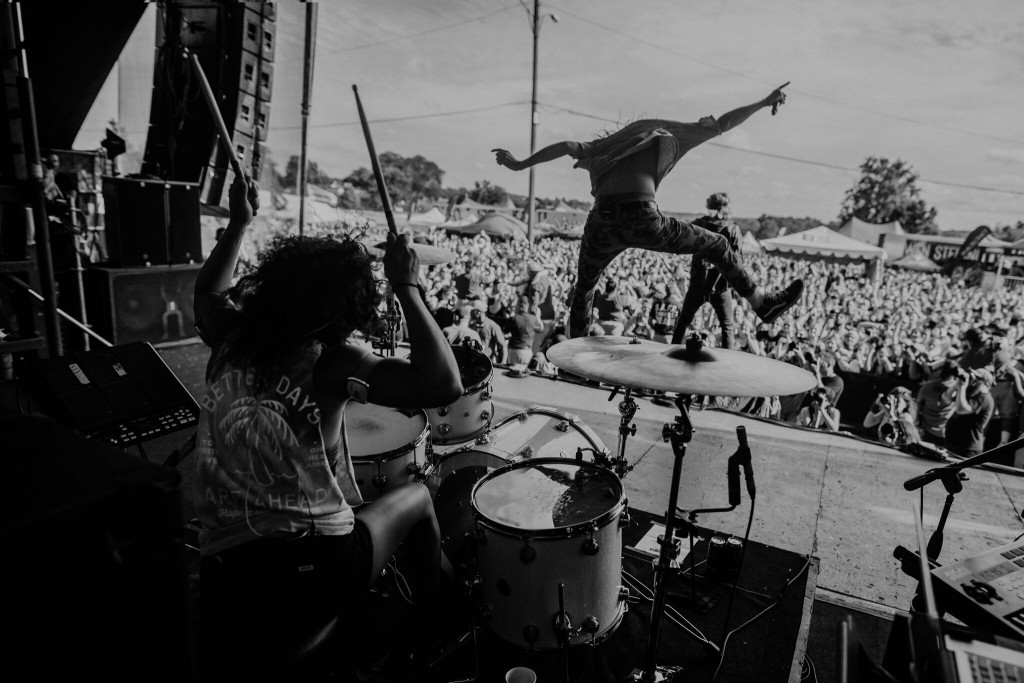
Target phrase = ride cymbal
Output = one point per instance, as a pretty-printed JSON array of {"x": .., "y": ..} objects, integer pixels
[{"x": 642, "y": 364}]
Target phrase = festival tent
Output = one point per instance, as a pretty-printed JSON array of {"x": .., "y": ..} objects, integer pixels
[
  {"x": 749, "y": 244},
  {"x": 431, "y": 217},
  {"x": 823, "y": 244},
  {"x": 869, "y": 232},
  {"x": 494, "y": 225},
  {"x": 915, "y": 260}
]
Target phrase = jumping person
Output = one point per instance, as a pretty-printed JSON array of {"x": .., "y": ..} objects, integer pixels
[
  {"x": 626, "y": 168},
  {"x": 275, "y": 487},
  {"x": 706, "y": 284}
]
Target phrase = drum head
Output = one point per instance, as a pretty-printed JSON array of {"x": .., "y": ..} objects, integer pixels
[
  {"x": 547, "y": 494},
  {"x": 474, "y": 367},
  {"x": 541, "y": 432},
  {"x": 378, "y": 431}
]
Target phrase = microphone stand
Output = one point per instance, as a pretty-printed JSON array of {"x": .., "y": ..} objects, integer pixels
[{"x": 950, "y": 475}]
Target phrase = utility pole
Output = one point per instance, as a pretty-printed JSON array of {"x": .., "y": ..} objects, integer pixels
[
  {"x": 534, "y": 116},
  {"x": 533, "y": 122},
  {"x": 307, "y": 87}
]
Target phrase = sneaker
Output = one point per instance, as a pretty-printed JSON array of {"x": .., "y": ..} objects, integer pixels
[{"x": 777, "y": 303}]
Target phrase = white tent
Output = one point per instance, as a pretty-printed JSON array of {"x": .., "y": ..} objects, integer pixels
[
  {"x": 823, "y": 243},
  {"x": 431, "y": 217},
  {"x": 915, "y": 260},
  {"x": 749, "y": 244},
  {"x": 871, "y": 233}
]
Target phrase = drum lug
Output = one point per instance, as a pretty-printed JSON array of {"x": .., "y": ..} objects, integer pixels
[
  {"x": 563, "y": 426},
  {"x": 525, "y": 452},
  {"x": 380, "y": 480},
  {"x": 444, "y": 429},
  {"x": 527, "y": 554},
  {"x": 413, "y": 468},
  {"x": 442, "y": 411},
  {"x": 428, "y": 452},
  {"x": 590, "y": 625},
  {"x": 623, "y": 593},
  {"x": 485, "y": 416},
  {"x": 591, "y": 546},
  {"x": 486, "y": 394},
  {"x": 483, "y": 440},
  {"x": 624, "y": 519}
]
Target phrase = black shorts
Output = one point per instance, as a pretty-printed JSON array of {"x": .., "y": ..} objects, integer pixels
[{"x": 311, "y": 574}]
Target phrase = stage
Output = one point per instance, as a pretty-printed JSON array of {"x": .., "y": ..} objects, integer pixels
[
  {"x": 836, "y": 498},
  {"x": 835, "y": 503}
]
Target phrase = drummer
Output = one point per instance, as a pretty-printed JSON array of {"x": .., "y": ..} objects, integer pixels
[{"x": 275, "y": 491}]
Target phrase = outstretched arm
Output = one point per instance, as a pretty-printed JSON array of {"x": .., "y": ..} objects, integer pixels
[
  {"x": 549, "y": 153},
  {"x": 730, "y": 120}
]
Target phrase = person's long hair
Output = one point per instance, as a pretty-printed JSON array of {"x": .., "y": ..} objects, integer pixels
[{"x": 301, "y": 289}]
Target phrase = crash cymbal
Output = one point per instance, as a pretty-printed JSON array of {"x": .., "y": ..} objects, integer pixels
[
  {"x": 429, "y": 255},
  {"x": 642, "y": 364}
]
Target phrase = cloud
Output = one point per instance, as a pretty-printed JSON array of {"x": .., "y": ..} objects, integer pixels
[{"x": 1008, "y": 156}]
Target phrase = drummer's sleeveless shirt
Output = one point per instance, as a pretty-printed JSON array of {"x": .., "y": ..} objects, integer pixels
[{"x": 262, "y": 469}]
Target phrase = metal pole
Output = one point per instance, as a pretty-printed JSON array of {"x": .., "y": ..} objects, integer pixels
[
  {"x": 307, "y": 86},
  {"x": 533, "y": 122}
]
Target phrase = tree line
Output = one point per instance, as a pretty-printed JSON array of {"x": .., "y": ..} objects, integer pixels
[{"x": 886, "y": 191}]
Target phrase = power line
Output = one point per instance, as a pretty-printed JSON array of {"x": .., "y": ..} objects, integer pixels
[
  {"x": 407, "y": 36},
  {"x": 809, "y": 162},
  {"x": 808, "y": 95},
  {"x": 435, "y": 115}
]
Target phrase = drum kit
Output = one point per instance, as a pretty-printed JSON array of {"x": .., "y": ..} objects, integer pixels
[{"x": 533, "y": 507}]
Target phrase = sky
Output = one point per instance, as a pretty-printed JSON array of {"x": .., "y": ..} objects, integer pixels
[{"x": 936, "y": 83}]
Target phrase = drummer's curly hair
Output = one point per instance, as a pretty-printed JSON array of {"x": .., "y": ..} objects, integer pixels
[{"x": 301, "y": 288}]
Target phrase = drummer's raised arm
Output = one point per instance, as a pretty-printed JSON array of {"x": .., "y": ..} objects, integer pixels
[{"x": 429, "y": 377}]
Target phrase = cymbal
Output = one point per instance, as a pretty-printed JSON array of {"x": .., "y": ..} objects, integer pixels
[
  {"x": 665, "y": 367},
  {"x": 429, "y": 255}
]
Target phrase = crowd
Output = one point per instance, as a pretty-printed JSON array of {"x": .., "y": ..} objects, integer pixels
[{"x": 907, "y": 328}]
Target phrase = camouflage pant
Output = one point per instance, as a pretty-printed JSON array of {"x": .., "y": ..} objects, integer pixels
[{"x": 605, "y": 238}]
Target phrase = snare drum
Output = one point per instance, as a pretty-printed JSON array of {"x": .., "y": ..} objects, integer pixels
[
  {"x": 388, "y": 446},
  {"x": 471, "y": 413},
  {"x": 545, "y": 522},
  {"x": 538, "y": 431}
]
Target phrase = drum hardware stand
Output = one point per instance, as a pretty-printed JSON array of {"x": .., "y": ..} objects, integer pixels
[
  {"x": 627, "y": 409},
  {"x": 679, "y": 434}
]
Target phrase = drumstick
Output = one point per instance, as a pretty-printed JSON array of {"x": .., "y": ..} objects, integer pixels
[
  {"x": 218, "y": 120},
  {"x": 376, "y": 166}
]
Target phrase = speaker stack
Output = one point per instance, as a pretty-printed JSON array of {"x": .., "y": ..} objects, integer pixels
[
  {"x": 234, "y": 42},
  {"x": 154, "y": 234}
]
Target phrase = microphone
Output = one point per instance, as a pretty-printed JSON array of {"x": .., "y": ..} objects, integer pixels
[{"x": 741, "y": 458}]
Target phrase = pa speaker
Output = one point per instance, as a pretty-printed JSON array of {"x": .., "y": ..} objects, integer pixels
[
  {"x": 152, "y": 222},
  {"x": 142, "y": 304}
]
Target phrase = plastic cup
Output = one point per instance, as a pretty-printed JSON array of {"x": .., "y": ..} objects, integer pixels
[{"x": 520, "y": 674}]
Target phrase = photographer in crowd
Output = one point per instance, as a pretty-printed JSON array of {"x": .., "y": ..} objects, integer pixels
[
  {"x": 819, "y": 413},
  {"x": 965, "y": 431},
  {"x": 894, "y": 416}
]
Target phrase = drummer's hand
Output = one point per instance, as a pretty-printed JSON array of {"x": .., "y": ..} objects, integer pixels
[
  {"x": 401, "y": 264},
  {"x": 243, "y": 199},
  {"x": 505, "y": 158}
]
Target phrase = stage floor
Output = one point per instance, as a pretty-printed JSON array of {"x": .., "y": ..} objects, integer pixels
[{"x": 835, "y": 497}]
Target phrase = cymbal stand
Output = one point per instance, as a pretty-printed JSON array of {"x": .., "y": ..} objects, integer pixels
[
  {"x": 679, "y": 434},
  {"x": 627, "y": 409},
  {"x": 392, "y": 317}
]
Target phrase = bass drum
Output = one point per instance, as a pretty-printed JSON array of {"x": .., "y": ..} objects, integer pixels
[
  {"x": 543, "y": 523},
  {"x": 538, "y": 431},
  {"x": 470, "y": 415},
  {"x": 388, "y": 446}
]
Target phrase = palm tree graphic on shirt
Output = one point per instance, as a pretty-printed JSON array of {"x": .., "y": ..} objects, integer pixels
[{"x": 261, "y": 426}]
